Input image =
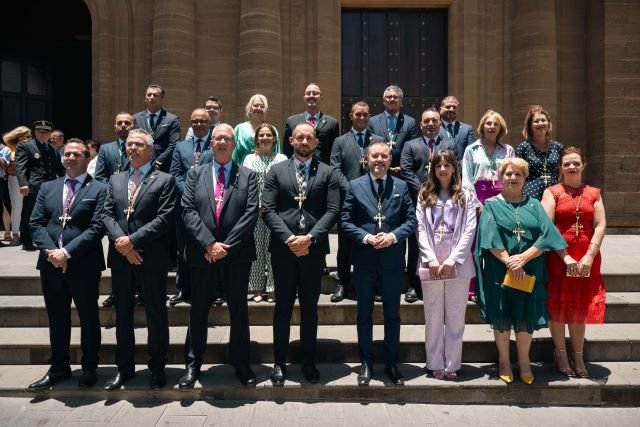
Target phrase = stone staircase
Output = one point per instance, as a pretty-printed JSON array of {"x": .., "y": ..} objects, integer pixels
[{"x": 613, "y": 348}]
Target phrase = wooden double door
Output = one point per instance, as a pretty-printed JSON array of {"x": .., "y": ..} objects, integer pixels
[{"x": 407, "y": 48}]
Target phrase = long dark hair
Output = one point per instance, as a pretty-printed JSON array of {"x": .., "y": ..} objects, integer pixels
[{"x": 430, "y": 191}]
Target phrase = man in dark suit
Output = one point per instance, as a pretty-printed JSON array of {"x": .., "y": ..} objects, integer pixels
[
  {"x": 214, "y": 107},
  {"x": 112, "y": 159},
  {"x": 37, "y": 162},
  {"x": 138, "y": 217},
  {"x": 378, "y": 215},
  {"x": 326, "y": 127},
  {"x": 414, "y": 164},
  {"x": 220, "y": 211},
  {"x": 393, "y": 125},
  {"x": 300, "y": 202},
  {"x": 67, "y": 228},
  {"x": 459, "y": 134},
  {"x": 349, "y": 161},
  {"x": 188, "y": 154},
  {"x": 163, "y": 126}
]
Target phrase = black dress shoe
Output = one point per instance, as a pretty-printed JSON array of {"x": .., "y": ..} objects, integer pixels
[
  {"x": 338, "y": 295},
  {"x": 277, "y": 375},
  {"x": 188, "y": 379},
  {"x": 364, "y": 376},
  {"x": 394, "y": 375},
  {"x": 246, "y": 375},
  {"x": 140, "y": 301},
  {"x": 88, "y": 379},
  {"x": 29, "y": 248},
  {"x": 377, "y": 298},
  {"x": 157, "y": 381},
  {"x": 49, "y": 379},
  {"x": 310, "y": 372},
  {"x": 108, "y": 303},
  {"x": 117, "y": 381},
  {"x": 411, "y": 295},
  {"x": 176, "y": 299}
]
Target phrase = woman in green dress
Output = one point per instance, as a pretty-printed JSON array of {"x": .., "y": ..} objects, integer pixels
[
  {"x": 513, "y": 232},
  {"x": 256, "y": 111}
]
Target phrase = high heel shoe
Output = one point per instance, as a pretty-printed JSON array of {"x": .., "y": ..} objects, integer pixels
[
  {"x": 567, "y": 372},
  {"x": 580, "y": 373},
  {"x": 507, "y": 378},
  {"x": 528, "y": 379}
]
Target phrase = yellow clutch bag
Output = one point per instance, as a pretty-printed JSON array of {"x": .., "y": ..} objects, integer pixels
[{"x": 525, "y": 284}]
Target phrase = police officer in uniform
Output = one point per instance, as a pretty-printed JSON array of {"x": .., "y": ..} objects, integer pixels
[{"x": 37, "y": 161}]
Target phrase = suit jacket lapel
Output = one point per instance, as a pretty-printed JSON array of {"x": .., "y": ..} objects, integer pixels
[
  {"x": 370, "y": 192},
  {"x": 293, "y": 175},
  {"x": 313, "y": 169},
  {"x": 145, "y": 184},
  {"x": 232, "y": 179},
  {"x": 389, "y": 189},
  {"x": 354, "y": 146},
  {"x": 321, "y": 121},
  {"x": 399, "y": 122},
  {"x": 81, "y": 192},
  {"x": 208, "y": 184}
]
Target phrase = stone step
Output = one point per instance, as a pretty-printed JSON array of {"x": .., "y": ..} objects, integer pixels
[
  {"x": 29, "y": 311},
  {"x": 611, "y": 384},
  {"x": 29, "y": 283},
  {"x": 336, "y": 343}
]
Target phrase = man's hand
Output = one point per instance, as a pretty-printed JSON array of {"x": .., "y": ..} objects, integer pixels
[
  {"x": 24, "y": 190},
  {"x": 384, "y": 240},
  {"x": 124, "y": 245},
  {"x": 299, "y": 245},
  {"x": 216, "y": 251},
  {"x": 57, "y": 258},
  {"x": 134, "y": 257}
]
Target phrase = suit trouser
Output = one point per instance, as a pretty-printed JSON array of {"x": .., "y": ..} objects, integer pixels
[
  {"x": 28, "y": 203},
  {"x": 343, "y": 276},
  {"x": 301, "y": 275},
  {"x": 389, "y": 282},
  {"x": 445, "y": 303},
  {"x": 232, "y": 277},
  {"x": 58, "y": 290},
  {"x": 152, "y": 279}
]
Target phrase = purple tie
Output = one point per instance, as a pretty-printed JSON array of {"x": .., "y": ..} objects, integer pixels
[
  {"x": 219, "y": 194},
  {"x": 431, "y": 142}
]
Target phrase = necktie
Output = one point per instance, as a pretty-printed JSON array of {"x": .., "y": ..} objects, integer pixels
[
  {"x": 391, "y": 123},
  {"x": 380, "y": 187},
  {"x": 135, "y": 184},
  {"x": 220, "y": 186},
  {"x": 152, "y": 121},
  {"x": 450, "y": 129},
  {"x": 198, "y": 146},
  {"x": 71, "y": 189},
  {"x": 361, "y": 140},
  {"x": 312, "y": 120},
  {"x": 431, "y": 143},
  {"x": 302, "y": 189}
]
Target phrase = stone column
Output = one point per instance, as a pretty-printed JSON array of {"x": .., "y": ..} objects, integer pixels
[
  {"x": 260, "y": 56},
  {"x": 173, "y": 59}
]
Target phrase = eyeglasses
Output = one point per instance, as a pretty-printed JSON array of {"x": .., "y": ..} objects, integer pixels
[
  {"x": 213, "y": 108},
  {"x": 199, "y": 122},
  {"x": 223, "y": 138}
]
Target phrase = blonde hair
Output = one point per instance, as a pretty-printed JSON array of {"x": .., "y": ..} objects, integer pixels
[
  {"x": 14, "y": 134},
  {"x": 255, "y": 97},
  {"x": 517, "y": 163},
  {"x": 503, "y": 124}
]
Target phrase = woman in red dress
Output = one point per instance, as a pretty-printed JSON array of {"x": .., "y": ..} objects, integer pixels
[{"x": 576, "y": 289}]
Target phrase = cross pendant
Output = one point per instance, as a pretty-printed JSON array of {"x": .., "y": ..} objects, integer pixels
[
  {"x": 363, "y": 163},
  {"x": 546, "y": 178},
  {"x": 391, "y": 143},
  {"x": 440, "y": 232},
  {"x": 64, "y": 219},
  {"x": 428, "y": 167},
  {"x": 219, "y": 199},
  {"x": 379, "y": 218},
  {"x": 577, "y": 226},
  {"x": 300, "y": 198},
  {"x": 518, "y": 231},
  {"x": 128, "y": 212},
  {"x": 493, "y": 180}
]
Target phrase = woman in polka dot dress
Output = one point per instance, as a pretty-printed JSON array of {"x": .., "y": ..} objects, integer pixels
[{"x": 542, "y": 153}]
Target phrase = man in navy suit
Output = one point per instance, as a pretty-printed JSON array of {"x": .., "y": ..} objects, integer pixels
[
  {"x": 349, "y": 161},
  {"x": 188, "y": 154},
  {"x": 393, "y": 125},
  {"x": 300, "y": 203},
  {"x": 67, "y": 228},
  {"x": 458, "y": 133},
  {"x": 414, "y": 164},
  {"x": 220, "y": 211},
  {"x": 326, "y": 127},
  {"x": 138, "y": 217},
  {"x": 112, "y": 159},
  {"x": 163, "y": 126},
  {"x": 378, "y": 215}
]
